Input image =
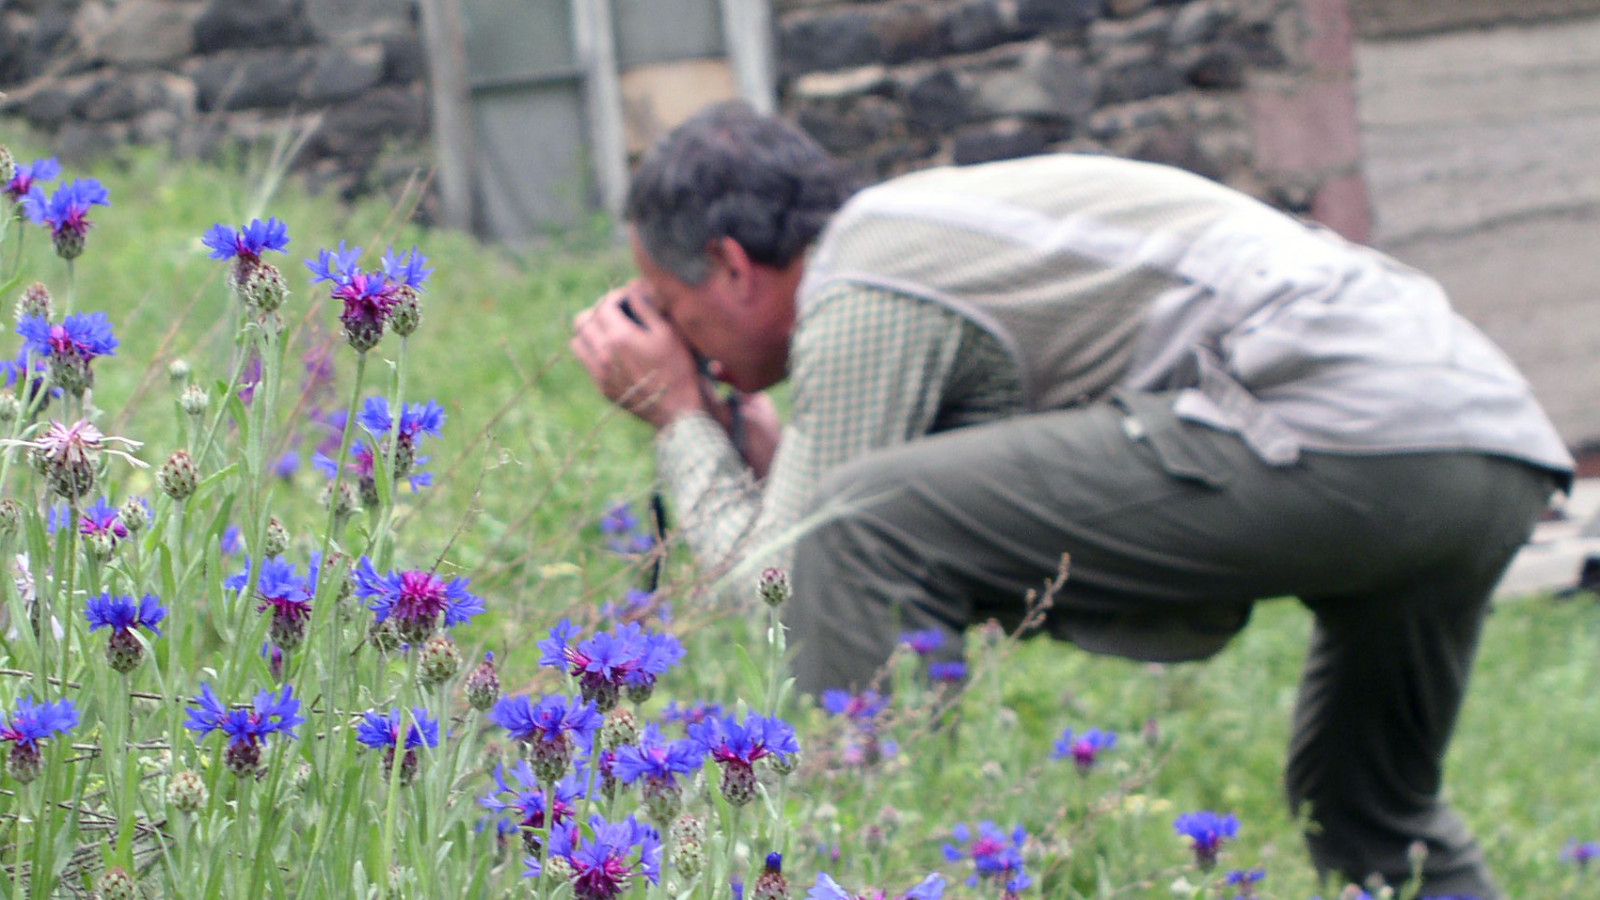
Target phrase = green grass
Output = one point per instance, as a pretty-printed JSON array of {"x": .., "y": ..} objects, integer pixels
[{"x": 531, "y": 455}]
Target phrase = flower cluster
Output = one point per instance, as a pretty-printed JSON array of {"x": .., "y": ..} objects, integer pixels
[
  {"x": 29, "y": 724},
  {"x": 416, "y": 420},
  {"x": 609, "y": 661},
  {"x": 603, "y": 865},
  {"x": 553, "y": 730},
  {"x": 247, "y": 729},
  {"x": 529, "y": 805},
  {"x": 257, "y": 283},
  {"x": 66, "y": 212},
  {"x": 995, "y": 856},
  {"x": 22, "y": 178},
  {"x": 122, "y": 614},
  {"x": 657, "y": 763},
  {"x": 67, "y": 348},
  {"x": 623, "y": 533},
  {"x": 736, "y": 746},
  {"x": 371, "y": 299},
  {"x": 283, "y": 592}
]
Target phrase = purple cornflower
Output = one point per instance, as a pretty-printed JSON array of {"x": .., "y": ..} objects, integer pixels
[
  {"x": 68, "y": 348},
  {"x": 409, "y": 268},
  {"x": 930, "y": 888},
  {"x": 603, "y": 866},
  {"x": 416, "y": 420},
  {"x": 21, "y": 183},
  {"x": 553, "y": 729},
  {"x": 698, "y": 711},
  {"x": 1083, "y": 749},
  {"x": 66, "y": 212},
  {"x": 658, "y": 764},
  {"x": 29, "y": 724},
  {"x": 283, "y": 592},
  {"x": 623, "y": 533},
  {"x": 381, "y": 731},
  {"x": 947, "y": 672},
  {"x": 528, "y": 803},
  {"x": 122, "y": 614},
  {"x": 368, "y": 297},
  {"x": 1580, "y": 854},
  {"x": 102, "y": 519},
  {"x": 249, "y": 242},
  {"x": 737, "y": 746},
  {"x": 611, "y": 660},
  {"x": 1206, "y": 831},
  {"x": 1245, "y": 881},
  {"x": 923, "y": 642},
  {"x": 247, "y": 729},
  {"x": 419, "y": 601},
  {"x": 994, "y": 856},
  {"x": 861, "y": 709},
  {"x": 228, "y": 544}
]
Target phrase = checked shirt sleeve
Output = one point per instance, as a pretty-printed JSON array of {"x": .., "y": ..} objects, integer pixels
[{"x": 869, "y": 370}]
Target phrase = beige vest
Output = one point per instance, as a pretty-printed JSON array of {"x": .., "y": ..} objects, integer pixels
[{"x": 1096, "y": 272}]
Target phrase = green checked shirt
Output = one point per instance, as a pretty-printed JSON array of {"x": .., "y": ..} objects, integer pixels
[{"x": 870, "y": 368}]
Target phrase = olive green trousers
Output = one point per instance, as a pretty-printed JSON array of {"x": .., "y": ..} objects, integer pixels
[{"x": 1174, "y": 529}]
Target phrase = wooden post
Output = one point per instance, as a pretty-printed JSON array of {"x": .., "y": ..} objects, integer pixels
[
  {"x": 747, "y": 29},
  {"x": 595, "y": 47},
  {"x": 451, "y": 103}
]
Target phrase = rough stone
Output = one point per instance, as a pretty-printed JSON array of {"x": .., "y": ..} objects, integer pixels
[
  {"x": 13, "y": 48},
  {"x": 1197, "y": 22},
  {"x": 230, "y": 24},
  {"x": 1005, "y": 139},
  {"x": 1123, "y": 9},
  {"x": 1147, "y": 31},
  {"x": 147, "y": 32},
  {"x": 1046, "y": 83},
  {"x": 156, "y": 126},
  {"x": 1176, "y": 145},
  {"x": 47, "y": 107},
  {"x": 1137, "y": 79},
  {"x": 1044, "y": 15},
  {"x": 976, "y": 26},
  {"x": 835, "y": 40},
  {"x": 79, "y": 142},
  {"x": 846, "y": 129},
  {"x": 357, "y": 129},
  {"x": 937, "y": 101},
  {"x": 1219, "y": 67},
  {"x": 342, "y": 72},
  {"x": 347, "y": 21},
  {"x": 259, "y": 79},
  {"x": 908, "y": 32},
  {"x": 404, "y": 60}
]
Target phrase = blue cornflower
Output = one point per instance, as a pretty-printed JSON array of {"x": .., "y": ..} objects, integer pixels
[
  {"x": 1245, "y": 881},
  {"x": 121, "y": 613},
  {"x": 949, "y": 671},
  {"x": 611, "y": 660},
  {"x": 21, "y": 183},
  {"x": 1083, "y": 749},
  {"x": 249, "y": 242},
  {"x": 368, "y": 297},
  {"x": 930, "y": 888},
  {"x": 409, "y": 268},
  {"x": 229, "y": 543},
  {"x": 419, "y": 601},
  {"x": 29, "y": 724},
  {"x": 737, "y": 746},
  {"x": 623, "y": 532},
  {"x": 603, "y": 865},
  {"x": 923, "y": 642},
  {"x": 1206, "y": 831},
  {"x": 416, "y": 420},
  {"x": 82, "y": 336},
  {"x": 1580, "y": 854},
  {"x": 655, "y": 757},
  {"x": 528, "y": 802},
  {"x": 283, "y": 592},
  {"x": 66, "y": 212},
  {"x": 246, "y": 729},
  {"x": 861, "y": 709},
  {"x": 994, "y": 856},
  {"x": 381, "y": 731},
  {"x": 553, "y": 729},
  {"x": 698, "y": 711},
  {"x": 101, "y": 518}
]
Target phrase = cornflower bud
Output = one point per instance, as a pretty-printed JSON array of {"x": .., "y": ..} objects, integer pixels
[
  {"x": 620, "y": 729},
  {"x": 406, "y": 314},
  {"x": 188, "y": 791},
  {"x": 10, "y": 406},
  {"x": 10, "y": 517},
  {"x": 178, "y": 477},
  {"x": 67, "y": 456},
  {"x": 773, "y": 587},
  {"x": 439, "y": 660},
  {"x": 35, "y": 301},
  {"x": 133, "y": 514},
  {"x": 770, "y": 885},
  {"x": 25, "y": 763},
  {"x": 194, "y": 400},
  {"x": 258, "y": 284},
  {"x": 558, "y": 868},
  {"x": 8, "y": 164},
  {"x": 178, "y": 371},
  {"x": 686, "y": 845},
  {"x": 116, "y": 884},
  {"x": 483, "y": 684},
  {"x": 384, "y": 636},
  {"x": 341, "y": 500},
  {"x": 787, "y": 763},
  {"x": 101, "y": 545},
  {"x": 276, "y": 539}
]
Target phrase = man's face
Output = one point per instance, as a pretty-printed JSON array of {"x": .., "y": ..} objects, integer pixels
[{"x": 743, "y": 334}]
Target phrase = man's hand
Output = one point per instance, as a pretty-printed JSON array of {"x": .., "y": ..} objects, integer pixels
[{"x": 643, "y": 366}]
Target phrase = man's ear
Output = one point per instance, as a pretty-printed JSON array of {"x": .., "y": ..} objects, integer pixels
[{"x": 734, "y": 266}]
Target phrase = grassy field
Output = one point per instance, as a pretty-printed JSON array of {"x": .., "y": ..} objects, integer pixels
[{"x": 531, "y": 456}]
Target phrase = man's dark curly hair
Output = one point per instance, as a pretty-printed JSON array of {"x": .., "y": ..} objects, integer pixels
[{"x": 732, "y": 172}]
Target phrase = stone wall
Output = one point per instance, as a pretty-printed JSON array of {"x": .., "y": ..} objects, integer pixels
[
  {"x": 196, "y": 74},
  {"x": 1257, "y": 94}
]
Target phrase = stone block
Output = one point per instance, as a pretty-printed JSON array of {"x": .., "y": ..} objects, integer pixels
[
  {"x": 358, "y": 129},
  {"x": 1123, "y": 9},
  {"x": 907, "y": 32},
  {"x": 827, "y": 41},
  {"x": 124, "y": 97},
  {"x": 1147, "y": 31},
  {"x": 359, "y": 21},
  {"x": 231, "y": 24},
  {"x": 1047, "y": 15},
  {"x": 404, "y": 59},
  {"x": 148, "y": 33},
  {"x": 1005, "y": 139},
  {"x": 1341, "y": 204},
  {"x": 247, "y": 80},
  {"x": 1045, "y": 83},
  {"x": 1136, "y": 79},
  {"x": 341, "y": 72},
  {"x": 47, "y": 107},
  {"x": 849, "y": 128},
  {"x": 1218, "y": 67},
  {"x": 1176, "y": 145},
  {"x": 155, "y": 127},
  {"x": 1311, "y": 128},
  {"x": 79, "y": 142},
  {"x": 937, "y": 101},
  {"x": 977, "y": 26}
]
